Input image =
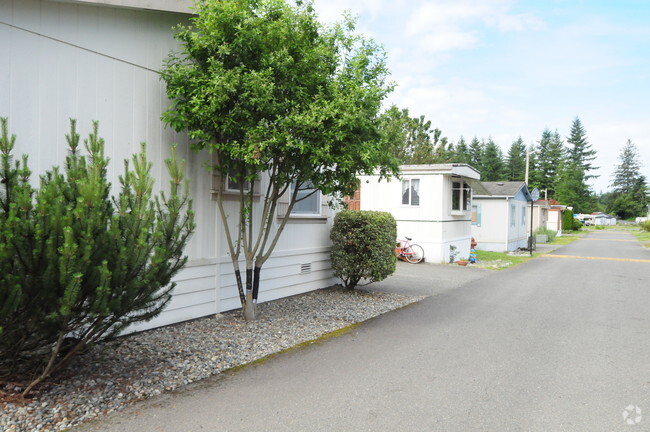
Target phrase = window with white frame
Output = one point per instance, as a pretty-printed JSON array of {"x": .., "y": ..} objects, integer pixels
[
  {"x": 308, "y": 200},
  {"x": 411, "y": 192},
  {"x": 461, "y": 196},
  {"x": 513, "y": 215}
]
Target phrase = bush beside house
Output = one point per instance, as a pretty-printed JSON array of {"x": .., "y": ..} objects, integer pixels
[
  {"x": 363, "y": 246},
  {"x": 76, "y": 264}
]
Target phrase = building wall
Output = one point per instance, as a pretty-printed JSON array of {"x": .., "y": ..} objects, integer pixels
[
  {"x": 96, "y": 62},
  {"x": 554, "y": 220},
  {"x": 498, "y": 231},
  {"x": 491, "y": 234},
  {"x": 430, "y": 224}
]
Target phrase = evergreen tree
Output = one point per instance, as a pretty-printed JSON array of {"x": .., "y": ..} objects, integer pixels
[
  {"x": 475, "y": 153},
  {"x": 492, "y": 162},
  {"x": 461, "y": 152},
  {"x": 550, "y": 156},
  {"x": 77, "y": 265},
  {"x": 515, "y": 163},
  {"x": 629, "y": 185},
  {"x": 572, "y": 190},
  {"x": 580, "y": 152}
]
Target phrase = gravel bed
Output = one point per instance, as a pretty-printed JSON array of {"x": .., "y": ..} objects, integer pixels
[{"x": 146, "y": 364}]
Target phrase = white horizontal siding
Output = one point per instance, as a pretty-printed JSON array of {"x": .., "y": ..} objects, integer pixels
[
  {"x": 193, "y": 297},
  {"x": 280, "y": 277}
]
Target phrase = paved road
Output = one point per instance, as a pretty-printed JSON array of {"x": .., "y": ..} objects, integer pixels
[{"x": 555, "y": 344}]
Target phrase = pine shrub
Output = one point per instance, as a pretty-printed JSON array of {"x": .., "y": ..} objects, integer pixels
[
  {"x": 363, "y": 246},
  {"x": 78, "y": 266}
]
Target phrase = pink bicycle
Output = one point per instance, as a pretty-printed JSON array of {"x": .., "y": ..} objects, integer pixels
[{"x": 412, "y": 253}]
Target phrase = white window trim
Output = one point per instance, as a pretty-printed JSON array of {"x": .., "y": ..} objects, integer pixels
[
  {"x": 410, "y": 180},
  {"x": 461, "y": 201}
]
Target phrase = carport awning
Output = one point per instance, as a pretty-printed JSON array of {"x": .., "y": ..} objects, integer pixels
[{"x": 478, "y": 187}]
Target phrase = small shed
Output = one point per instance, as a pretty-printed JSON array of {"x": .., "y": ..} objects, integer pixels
[
  {"x": 603, "y": 219},
  {"x": 500, "y": 219},
  {"x": 431, "y": 203}
]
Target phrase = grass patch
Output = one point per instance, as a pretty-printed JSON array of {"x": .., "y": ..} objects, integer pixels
[
  {"x": 500, "y": 260},
  {"x": 643, "y": 237},
  {"x": 565, "y": 239}
]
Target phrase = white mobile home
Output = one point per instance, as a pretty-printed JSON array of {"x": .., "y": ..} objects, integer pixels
[
  {"x": 99, "y": 60},
  {"x": 501, "y": 220},
  {"x": 431, "y": 204}
]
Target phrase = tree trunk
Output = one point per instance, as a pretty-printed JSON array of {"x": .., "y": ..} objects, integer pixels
[{"x": 249, "y": 305}]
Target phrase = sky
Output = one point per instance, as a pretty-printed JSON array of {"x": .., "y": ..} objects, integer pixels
[{"x": 510, "y": 68}]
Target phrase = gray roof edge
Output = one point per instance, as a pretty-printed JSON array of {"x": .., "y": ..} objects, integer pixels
[{"x": 176, "y": 6}]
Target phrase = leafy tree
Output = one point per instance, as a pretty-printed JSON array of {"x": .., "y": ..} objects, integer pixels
[
  {"x": 77, "y": 265},
  {"x": 580, "y": 152},
  {"x": 282, "y": 102},
  {"x": 492, "y": 166},
  {"x": 443, "y": 150},
  {"x": 413, "y": 139},
  {"x": 515, "y": 163},
  {"x": 629, "y": 185}
]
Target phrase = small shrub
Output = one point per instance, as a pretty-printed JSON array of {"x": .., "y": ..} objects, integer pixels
[
  {"x": 363, "y": 246},
  {"x": 77, "y": 265},
  {"x": 569, "y": 223},
  {"x": 646, "y": 226},
  {"x": 545, "y": 231}
]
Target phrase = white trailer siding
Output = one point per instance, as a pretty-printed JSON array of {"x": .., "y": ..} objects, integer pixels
[
  {"x": 90, "y": 62},
  {"x": 431, "y": 223}
]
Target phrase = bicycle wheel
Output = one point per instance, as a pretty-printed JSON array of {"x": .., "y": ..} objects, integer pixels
[{"x": 413, "y": 254}]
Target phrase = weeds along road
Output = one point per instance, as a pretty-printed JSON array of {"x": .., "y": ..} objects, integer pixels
[{"x": 559, "y": 343}]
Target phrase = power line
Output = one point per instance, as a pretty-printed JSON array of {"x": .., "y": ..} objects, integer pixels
[{"x": 79, "y": 47}]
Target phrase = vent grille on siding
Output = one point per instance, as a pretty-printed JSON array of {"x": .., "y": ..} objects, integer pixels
[{"x": 305, "y": 268}]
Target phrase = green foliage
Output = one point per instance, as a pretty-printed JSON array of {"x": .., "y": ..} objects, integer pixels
[
  {"x": 580, "y": 152},
  {"x": 630, "y": 197},
  {"x": 283, "y": 100},
  {"x": 492, "y": 166},
  {"x": 572, "y": 190},
  {"x": 515, "y": 163},
  {"x": 549, "y": 159},
  {"x": 363, "y": 246},
  {"x": 547, "y": 232},
  {"x": 461, "y": 153},
  {"x": 475, "y": 153},
  {"x": 646, "y": 226},
  {"x": 569, "y": 223},
  {"x": 77, "y": 265},
  {"x": 413, "y": 139}
]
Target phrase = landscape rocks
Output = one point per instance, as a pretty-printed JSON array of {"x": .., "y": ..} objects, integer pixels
[{"x": 143, "y": 365}]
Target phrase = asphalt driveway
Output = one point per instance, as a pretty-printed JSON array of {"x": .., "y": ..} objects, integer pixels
[{"x": 556, "y": 344}]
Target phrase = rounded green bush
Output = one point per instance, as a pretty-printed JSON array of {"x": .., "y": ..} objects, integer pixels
[{"x": 363, "y": 246}]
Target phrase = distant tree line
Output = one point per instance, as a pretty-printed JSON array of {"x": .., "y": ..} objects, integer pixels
[{"x": 560, "y": 169}]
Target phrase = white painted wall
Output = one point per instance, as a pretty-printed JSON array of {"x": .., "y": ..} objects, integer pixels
[
  {"x": 498, "y": 231},
  {"x": 431, "y": 224},
  {"x": 97, "y": 62}
]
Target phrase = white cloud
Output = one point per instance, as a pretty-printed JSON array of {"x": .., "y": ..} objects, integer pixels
[
  {"x": 452, "y": 25},
  {"x": 515, "y": 22}
]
